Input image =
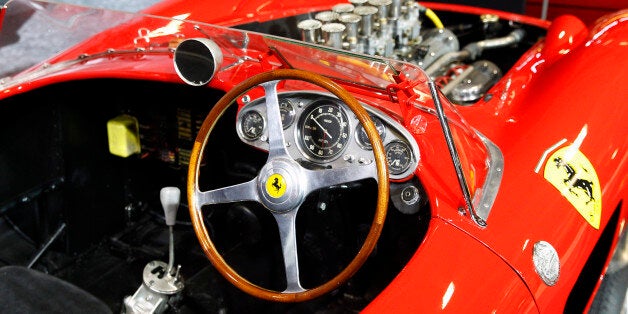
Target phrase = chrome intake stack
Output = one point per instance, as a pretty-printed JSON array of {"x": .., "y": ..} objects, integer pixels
[{"x": 376, "y": 27}]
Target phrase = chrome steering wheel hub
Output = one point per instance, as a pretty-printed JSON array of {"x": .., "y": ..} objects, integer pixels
[{"x": 280, "y": 185}]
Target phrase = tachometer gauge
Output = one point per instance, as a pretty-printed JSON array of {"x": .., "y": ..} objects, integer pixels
[
  {"x": 363, "y": 139},
  {"x": 252, "y": 125},
  {"x": 398, "y": 156},
  {"x": 287, "y": 113},
  {"x": 324, "y": 131}
]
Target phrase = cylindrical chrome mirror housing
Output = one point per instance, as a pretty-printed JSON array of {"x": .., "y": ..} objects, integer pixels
[{"x": 196, "y": 60}]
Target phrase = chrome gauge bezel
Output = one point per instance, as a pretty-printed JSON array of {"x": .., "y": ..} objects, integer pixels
[
  {"x": 241, "y": 124},
  {"x": 396, "y": 132},
  {"x": 397, "y": 165},
  {"x": 337, "y": 123},
  {"x": 360, "y": 134}
]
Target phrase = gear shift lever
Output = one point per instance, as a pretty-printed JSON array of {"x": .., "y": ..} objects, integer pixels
[
  {"x": 170, "y": 197},
  {"x": 161, "y": 285}
]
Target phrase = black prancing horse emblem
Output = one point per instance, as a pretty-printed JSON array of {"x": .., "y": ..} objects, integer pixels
[
  {"x": 276, "y": 184},
  {"x": 573, "y": 181}
]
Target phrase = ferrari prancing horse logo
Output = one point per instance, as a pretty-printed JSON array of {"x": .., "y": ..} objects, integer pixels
[
  {"x": 276, "y": 185},
  {"x": 569, "y": 171}
]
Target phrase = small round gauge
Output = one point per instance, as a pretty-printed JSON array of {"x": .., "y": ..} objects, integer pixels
[
  {"x": 287, "y": 113},
  {"x": 252, "y": 125},
  {"x": 324, "y": 131},
  {"x": 363, "y": 139},
  {"x": 398, "y": 156}
]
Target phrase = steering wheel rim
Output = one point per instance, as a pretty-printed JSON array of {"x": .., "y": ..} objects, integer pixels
[{"x": 195, "y": 195}]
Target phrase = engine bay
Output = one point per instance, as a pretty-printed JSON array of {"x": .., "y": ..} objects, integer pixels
[{"x": 465, "y": 54}]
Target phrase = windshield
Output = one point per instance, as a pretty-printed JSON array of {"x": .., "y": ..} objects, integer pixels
[
  {"x": 344, "y": 65},
  {"x": 45, "y": 28}
]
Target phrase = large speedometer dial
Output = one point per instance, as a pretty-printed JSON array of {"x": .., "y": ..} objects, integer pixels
[{"x": 324, "y": 131}]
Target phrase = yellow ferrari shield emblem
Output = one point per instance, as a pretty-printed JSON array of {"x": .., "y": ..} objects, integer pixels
[
  {"x": 569, "y": 171},
  {"x": 276, "y": 185}
]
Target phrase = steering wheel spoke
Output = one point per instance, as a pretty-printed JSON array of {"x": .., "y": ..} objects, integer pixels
[
  {"x": 273, "y": 115},
  {"x": 317, "y": 179},
  {"x": 246, "y": 191},
  {"x": 288, "y": 236}
]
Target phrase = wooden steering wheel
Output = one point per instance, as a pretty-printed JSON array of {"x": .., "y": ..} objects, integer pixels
[{"x": 297, "y": 183}]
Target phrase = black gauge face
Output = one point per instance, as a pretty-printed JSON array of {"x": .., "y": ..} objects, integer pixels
[
  {"x": 287, "y": 113},
  {"x": 252, "y": 125},
  {"x": 398, "y": 156},
  {"x": 324, "y": 131},
  {"x": 363, "y": 139}
]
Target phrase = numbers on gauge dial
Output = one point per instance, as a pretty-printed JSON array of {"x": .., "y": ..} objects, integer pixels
[
  {"x": 252, "y": 125},
  {"x": 398, "y": 156},
  {"x": 324, "y": 131},
  {"x": 363, "y": 139}
]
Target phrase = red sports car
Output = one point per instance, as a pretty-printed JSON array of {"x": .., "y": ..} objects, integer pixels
[{"x": 322, "y": 156}]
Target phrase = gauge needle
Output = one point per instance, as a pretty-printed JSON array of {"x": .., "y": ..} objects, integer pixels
[{"x": 322, "y": 128}]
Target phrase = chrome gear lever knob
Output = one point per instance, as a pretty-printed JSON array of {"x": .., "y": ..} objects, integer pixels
[{"x": 170, "y": 198}]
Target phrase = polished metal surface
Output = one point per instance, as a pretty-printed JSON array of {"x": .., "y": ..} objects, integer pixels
[
  {"x": 158, "y": 290},
  {"x": 310, "y": 30},
  {"x": 546, "y": 262},
  {"x": 453, "y": 151},
  {"x": 484, "y": 197},
  {"x": 475, "y": 83}
]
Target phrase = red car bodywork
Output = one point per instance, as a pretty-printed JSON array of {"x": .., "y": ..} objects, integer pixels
[
  {"x": 587, "y": 11},
  {"x": 569, "y": 88}
]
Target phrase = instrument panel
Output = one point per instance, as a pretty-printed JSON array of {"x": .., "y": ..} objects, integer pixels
[{"x": 321, "y": 131}]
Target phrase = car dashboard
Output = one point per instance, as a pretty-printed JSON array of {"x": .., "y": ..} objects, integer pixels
[{"x": 320, "y": 131}]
